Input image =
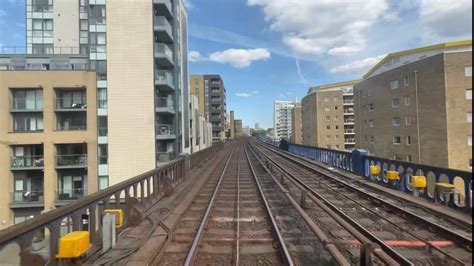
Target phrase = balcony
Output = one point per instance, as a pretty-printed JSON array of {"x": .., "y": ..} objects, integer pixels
[
  {"x": 349, "y": 132},
  {"x": 163, "y": 8},
  {"x": 23, "y": 105},
  {"x": 163, "y": 55},
  {"x": 67, "y": 121},
  {"x": 165, "y": 105},
  {"x": 71, "y": 194},
  {"x": 349, "y": 122},
  {"x": 165, "y": 132},
  {"x": 348, "y": 102},
  {"x": 163, "y": 30},
  {"x": 164, "y": 80},
  {"x": 349, "y": 141},
  {"x": 68, "y": 161},
  {"x": 27, "y": 199},
  {"x": 348, "y": 111},
  {"x": 70, "y": 105},
  {"x": 164, "y": 157},
  {"x": 27, "y": 162}
]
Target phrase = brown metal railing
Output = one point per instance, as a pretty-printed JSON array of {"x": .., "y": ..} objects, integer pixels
[{"x": 140, "y": 192}]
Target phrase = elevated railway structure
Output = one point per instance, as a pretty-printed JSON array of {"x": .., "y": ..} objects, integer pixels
[{"x": 244, "y": 202}]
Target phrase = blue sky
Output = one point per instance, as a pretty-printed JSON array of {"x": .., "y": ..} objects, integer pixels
[{"x": 268, "y": 50}]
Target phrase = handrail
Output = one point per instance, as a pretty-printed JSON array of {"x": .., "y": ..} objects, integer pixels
[{"x": 170, "y": 174}]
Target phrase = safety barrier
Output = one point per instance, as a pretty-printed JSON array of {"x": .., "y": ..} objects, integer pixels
[
  {"x": 359, "y": 162},
  {"x": 134, "y": 196}
]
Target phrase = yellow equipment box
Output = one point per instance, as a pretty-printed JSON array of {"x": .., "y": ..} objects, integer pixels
[
  {"x": 418, "y": 182},
  {"x": 374, "y": 170},
  {"x": 393, "y": 176},
  {"x": 73, "y": 245},
  {"x": 118, "y": 216}
]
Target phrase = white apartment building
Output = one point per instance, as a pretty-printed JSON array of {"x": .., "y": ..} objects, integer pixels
[{"x": 282, "y": 119}]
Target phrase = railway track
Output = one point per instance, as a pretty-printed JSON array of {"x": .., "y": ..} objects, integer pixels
[
  {"x": 398, "y": 232},
  {"x": 228, "y": 223}
]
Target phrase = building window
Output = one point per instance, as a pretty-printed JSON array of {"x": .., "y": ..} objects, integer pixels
[
  {"x": 328, "y": 127},
  {"x": 397, "y": 157},
  {"x": 469, "y": 94},
  {"x": 469, "y": 117},
  {"x": 396, "y": 121},
  {"x": 103, "y": 182},
  {"x": 406, "y": 81},
  {"x": 371, "y": 107},
  {"x": 407, "y": 101},
  {"x": 408, "y": 140},
  {"x": 337, "y": 147},
  {"x": 336, "y": 118},
  {"x": 396, "y": 103},
  {"x": 335, "y": 98},
  {"x": 337, "y": 137},
  {"x": 327, "y": 109},
  {"x": 371, "y": 123},
  {"x": 326, "y": 99},
  {"x": 468, "y": 71},
  {"x": 469, "y": 141},
  {"x": 24, "y": 122},
  {"x": 394, "y": 84},
  {"x": 328, "y": 118},
  {"x": 103, "y": 154},
  {"x": 407, "y": 120},
  {"x": 397, "y": 140},
  {"x": 337, "y": 127},
  {"x": 372, "y": 139},
  {"x": 328, "y": 137},
  {"x": 336, "y": 108},
  {"x": 409, "y": 158}
]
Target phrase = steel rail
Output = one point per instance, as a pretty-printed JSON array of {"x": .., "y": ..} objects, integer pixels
[
  {"x": 419, "y": 238},
  {"x": 343, "y": 223},
  {"x": 337, "y": 255},
  {"x": 389, "y": 250},
  {"x": 284, "y": 248},
  {"x": 192, "y": 252},
  {"x": 237, "y": 238},
  {"x": 462, "y": 240}
]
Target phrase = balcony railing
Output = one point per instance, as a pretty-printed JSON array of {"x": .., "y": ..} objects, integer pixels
[
  {"x": 163, "y": 102},
  {"x": 349, "y": 131},
  {"x": 164, "y": 77},
  {"x": 25, "y": 196},
  {"x": 162, "y": 48},
  {"x": 162, "y": 22},
  {"x": 71, "y": 194},
  {"x": 349, "y": 141},
  {"x": 167, "y": 3},
  {"x": 27, "y": 162},
  {"x": 49, "y": 51},
  {"x": 103, "y": 131},
  {"x": 165, "y": 130},
  {"x": 348, "y": 111},
  {"x": 22, "y": 104},
  {"x": 102, "y": 104},
  {"x": 349, "y": 121},
  {"x": 72, "y": 127},
  {"x": 67, "y": 103},
  {"x": 163, "y": 157},
  {"x": 72, "y": 160}
]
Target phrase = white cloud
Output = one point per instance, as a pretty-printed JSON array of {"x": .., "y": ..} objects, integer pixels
[
  {"x": 316, "y": 27},
  {"x": 244, "y": 94},
  {"x": 240, "y": 58},
  {"x": 360, "y": 65},
  {"x": 446, "y": 19},
  {"x": 194, "y": 56},
  {"x": 299, "y": 71},
  {"x": 255, "y": 92}
]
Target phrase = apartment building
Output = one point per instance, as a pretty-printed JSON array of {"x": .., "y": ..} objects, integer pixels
[
  {"x": 416, "y": 106},
  {"x": 232, "y": 125},
  {"x": 282, "y": 119},
  {"x": 139, "y": 52},
  {"x": 328, "y": 116},
  {"x": 239, "y": 130},
  {"x": 212, "y": 98},
  {"x": 49, "y": 149},
  {"x": 201, "y": 129},
  {"x": 296, "y": 125}
]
